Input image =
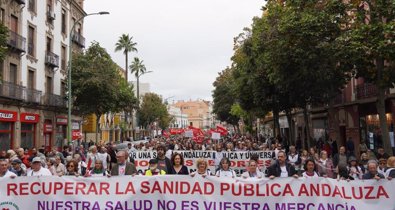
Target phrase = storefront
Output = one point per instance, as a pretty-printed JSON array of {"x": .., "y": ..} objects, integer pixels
[
  {"x": 48, "y": 130},
  {"x": 371, "y": 132},
  {"x": 61, "y": 131},
  {"x": 28, "y": 129},
  {"x": 7, "y": 125}
]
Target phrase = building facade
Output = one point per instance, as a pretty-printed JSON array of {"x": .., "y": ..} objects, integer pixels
[
  {"x": 33, "y": 110},
  {"x": 180, "y": 119},
  {"x": 199, "y": 113}
]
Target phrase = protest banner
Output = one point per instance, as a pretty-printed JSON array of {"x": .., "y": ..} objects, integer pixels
[
  {"x": 238, "y": 159},
  {"x": 215, "y": 135},
  {"x": 193, "y": 193}
]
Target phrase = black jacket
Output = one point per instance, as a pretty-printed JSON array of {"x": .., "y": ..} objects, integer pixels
[{"x": 275, "y": 170}]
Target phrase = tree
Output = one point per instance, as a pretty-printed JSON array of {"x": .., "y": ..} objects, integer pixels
[
  {"x": 126, "y": 44},
  {"x": 371, "y": 41},
  {"x": 96, "y": 84},
  {"x": 3, "y": 41},
  {"x": 152, "y": 110},
  {"x": 224, "y": 97},
  {"x": 137, "y": 68}
]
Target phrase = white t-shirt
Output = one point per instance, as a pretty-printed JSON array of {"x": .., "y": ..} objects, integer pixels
[
  {"x": 228, "y": 173},
  {"x": 42, "y": 172},
  {"x": 121, "y": 170},
  {"x": 284, "y": 172},
  {"x": 9, "y": 174},
  {"x": 304, "y": 174},
  {"x": 103, "y": 158}
]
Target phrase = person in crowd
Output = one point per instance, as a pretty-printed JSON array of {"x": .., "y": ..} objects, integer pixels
[
  {"x": 363, "y": 162},
  {"x": 97, "y": 170},
  {"x": 201, "y": 168},
  {"x": 65, "y": 151},
  {"x": 327, "y": 148},
  {"x": 381, "y": 154},
  {"x": 122, "y": 167},
  {"x": 113, "y": 155},
  {"x": 131, "y": 150},
  {"x": 82, "y": 167},
  {"x": 51, "y": 165},
  {"x": 104, "y": 157},
  {"x": 363, "y": 148},
  {"x": 312, "y": 153},
  {"x": 310, "y": 169},
  {"x": 17, "y": 168},
  {"x": 164, "y": 163},
  {"x": 252, "y": 170},
  {"x": 153, "y": 169},
  {"x": 178, "y": 166},
  {"x": 60, "y": 168},
  {"x": 372, "y": 171},
  {"x": 4, "y": 172},
  {"x": 3, "y": 154},
  {"x": 72, "y": 168},
  {"x": 303, "y": 157},
  {"x": 350, "y": 147},
  {"x": 325, "y": 165},
  {"x": 390, "y": 173},
  {"x": 37, "y": 169},
  {"x": 382, "y": 166},
  {"x": 294, "y": 158},
  {"x": 23, "y": 157},
  {"x": 343, "y": 174},
  {"x": 225, "y": 170},
  {"x": 92, "y": 156},
  {"x": 354, "y": 169},
  {"x": 281, "y": 168},
  {"x": 218, "y": 156},
  {"x": 341, "y": 158}
]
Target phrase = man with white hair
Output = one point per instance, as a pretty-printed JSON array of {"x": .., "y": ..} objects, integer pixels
[
  {"x": 372, "y": 171},
  {"x": 4, "y": 172},
  {"x": 37, "y": 169}
]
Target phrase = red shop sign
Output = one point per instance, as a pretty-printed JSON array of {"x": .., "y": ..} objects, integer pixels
[
  {"x": 47, "y": 128},
  {"x": 76, "y": 134},
  {"x": 8, "y": 116},
  {"x": 29, "y": 118},
  {"x": 61, "y": 120}
]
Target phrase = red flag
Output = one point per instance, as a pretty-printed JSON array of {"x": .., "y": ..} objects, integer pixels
[{"x": 222, "y": 130}]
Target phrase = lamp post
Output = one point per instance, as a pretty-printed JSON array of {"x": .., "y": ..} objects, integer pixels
[
  {"x": 69, "y": 101},
  {"x": 138, "y": 96}
]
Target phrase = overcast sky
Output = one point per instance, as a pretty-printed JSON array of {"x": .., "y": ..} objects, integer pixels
[{"x": 184, "y": 42}]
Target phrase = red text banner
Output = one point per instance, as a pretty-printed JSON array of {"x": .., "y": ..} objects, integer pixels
[{"x": 197, "y": 193}]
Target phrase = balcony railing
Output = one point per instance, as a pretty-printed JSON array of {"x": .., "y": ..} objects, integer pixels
[
  {"x": 366, "y": 90},
  {"x": 33, "y": 96},
  {"x": 55, "y": 100},
  {"x": 78, "y": 39},
  {"x": 16, "y": 41},
  {"x": 20, "y": 1},
  {"x": 51, "y": 59},
  {"x": 11, "y": 90}
]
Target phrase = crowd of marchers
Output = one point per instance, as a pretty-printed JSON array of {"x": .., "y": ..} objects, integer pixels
[{"x": 87, "y": 160}]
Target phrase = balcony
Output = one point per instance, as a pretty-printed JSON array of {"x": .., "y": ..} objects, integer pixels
[
  {"x": 33, "y": 96},
  {"x": 366, "y": 90},
  {"x": 16, "y": 42},
  {"x": 20, "y": 1},
  {"x": 78, "y": 39},
  {"x": 51, "y": 59},
  {"x": 11, "y": 90},
  {"x": 54, "y": 100}
]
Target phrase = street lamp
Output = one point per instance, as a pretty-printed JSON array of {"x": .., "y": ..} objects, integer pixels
[
  {"x": 69, "y": 101},
  {"x": 138, "y": 95}
]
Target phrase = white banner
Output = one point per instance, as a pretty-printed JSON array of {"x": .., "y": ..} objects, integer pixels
[
  {"x": 197, "y": 193},
  {"x": 239, "y": 160},
  {"x": 216, "y": 136}
]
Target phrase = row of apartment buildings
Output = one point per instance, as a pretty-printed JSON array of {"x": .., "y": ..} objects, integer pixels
[{"x": 33, "y": 110}]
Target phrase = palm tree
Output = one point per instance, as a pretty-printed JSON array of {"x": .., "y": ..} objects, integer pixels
[
  {"x": 138, "y": 68},
  {"x": 126, "y": 45}
]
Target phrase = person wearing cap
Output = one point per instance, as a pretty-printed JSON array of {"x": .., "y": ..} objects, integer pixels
[
  {"x": 372, "y": 171},
  {"x": 4, "y": 172},
  {"x": 153, "y": 169},
  {"x": 354, "y": 169},
  {"x": 37, "y": 169},
  {"x": 17, "y": 169}
]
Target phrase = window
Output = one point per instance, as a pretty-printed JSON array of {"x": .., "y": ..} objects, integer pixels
[
  {"x": 14, "y": 23},
  {"x": 63, "y": 88},
  {"x": 49, "y": 43},
  {"x": 32, "y": 6},
  {"x": 13, "y": 73},
  {"x": 30, "y": 41},
  {"x": 48, "y": 88},
  {"x": 63, "y": 56},
  {"x": 50, "y": 13},
  {"x": 64, "y": 18},
  {"x": 30, "y": 79},
  {"x": 6, "y": 129},
  {"x": 27, "y": 135}
]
